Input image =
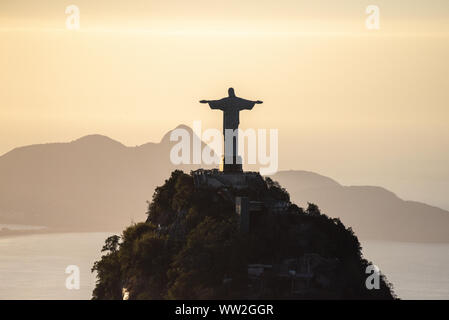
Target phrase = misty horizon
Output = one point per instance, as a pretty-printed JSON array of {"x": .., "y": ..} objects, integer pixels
[{"x": 406, "y": 193}]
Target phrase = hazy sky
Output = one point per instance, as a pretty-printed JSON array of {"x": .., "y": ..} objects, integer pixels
[{"x": 364, "y": 107}]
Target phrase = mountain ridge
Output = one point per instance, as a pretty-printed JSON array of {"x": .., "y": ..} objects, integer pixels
[{"x": 97, "y": 183}]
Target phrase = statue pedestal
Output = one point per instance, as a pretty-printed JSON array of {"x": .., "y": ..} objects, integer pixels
[{"x": 235, "y": 166}]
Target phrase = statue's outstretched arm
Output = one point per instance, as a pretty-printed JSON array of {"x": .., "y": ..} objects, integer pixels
[
  {"x": 248, "y": 104},
  {"x": 213, "y": 104}
]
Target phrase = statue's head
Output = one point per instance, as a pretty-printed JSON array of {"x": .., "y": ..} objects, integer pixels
[{"x": 231, "y": 92}]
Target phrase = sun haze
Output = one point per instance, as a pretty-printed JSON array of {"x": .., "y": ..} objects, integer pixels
[{"x": 363, "y": 106}]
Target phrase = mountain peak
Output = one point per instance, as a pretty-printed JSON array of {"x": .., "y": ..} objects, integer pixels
[
  {"x": 94, "y": 139},
  {"x": 166, "y": 137}
]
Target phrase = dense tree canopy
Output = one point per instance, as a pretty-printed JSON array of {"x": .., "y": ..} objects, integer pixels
[{"x": 191, "y": 247}]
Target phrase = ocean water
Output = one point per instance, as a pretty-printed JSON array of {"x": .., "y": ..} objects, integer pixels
[
  {"x": 416, "y": 270},
  {"x": 33, "y": 266}
]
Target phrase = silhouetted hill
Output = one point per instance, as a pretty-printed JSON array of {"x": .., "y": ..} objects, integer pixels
[
  {"x": 194, "y": 245},
  {"x": 97, "y": 183},
  {"x": 373, "y": 212},
  {"x": 90, "y": 183}
]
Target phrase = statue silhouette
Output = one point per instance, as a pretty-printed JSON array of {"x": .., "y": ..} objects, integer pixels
[{"x": 231, "y": 107}]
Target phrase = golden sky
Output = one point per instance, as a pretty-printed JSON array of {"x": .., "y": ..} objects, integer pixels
[{"x": 365, "y": 107}]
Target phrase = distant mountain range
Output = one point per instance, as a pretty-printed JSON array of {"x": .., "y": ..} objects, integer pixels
[
  {"x": 373, "y": 212},
  {"x": 96, "y": 183}
]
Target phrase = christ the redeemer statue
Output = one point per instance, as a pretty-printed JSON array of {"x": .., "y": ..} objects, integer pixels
[{"x": 231, "y": 107}]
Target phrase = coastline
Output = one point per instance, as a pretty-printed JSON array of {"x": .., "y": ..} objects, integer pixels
[{"x": 8, "y": 233}]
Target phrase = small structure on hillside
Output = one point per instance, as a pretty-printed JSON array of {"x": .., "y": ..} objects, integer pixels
[
  {"x": 291, "y": 277},
  {"x": 230, "y": 185}
]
